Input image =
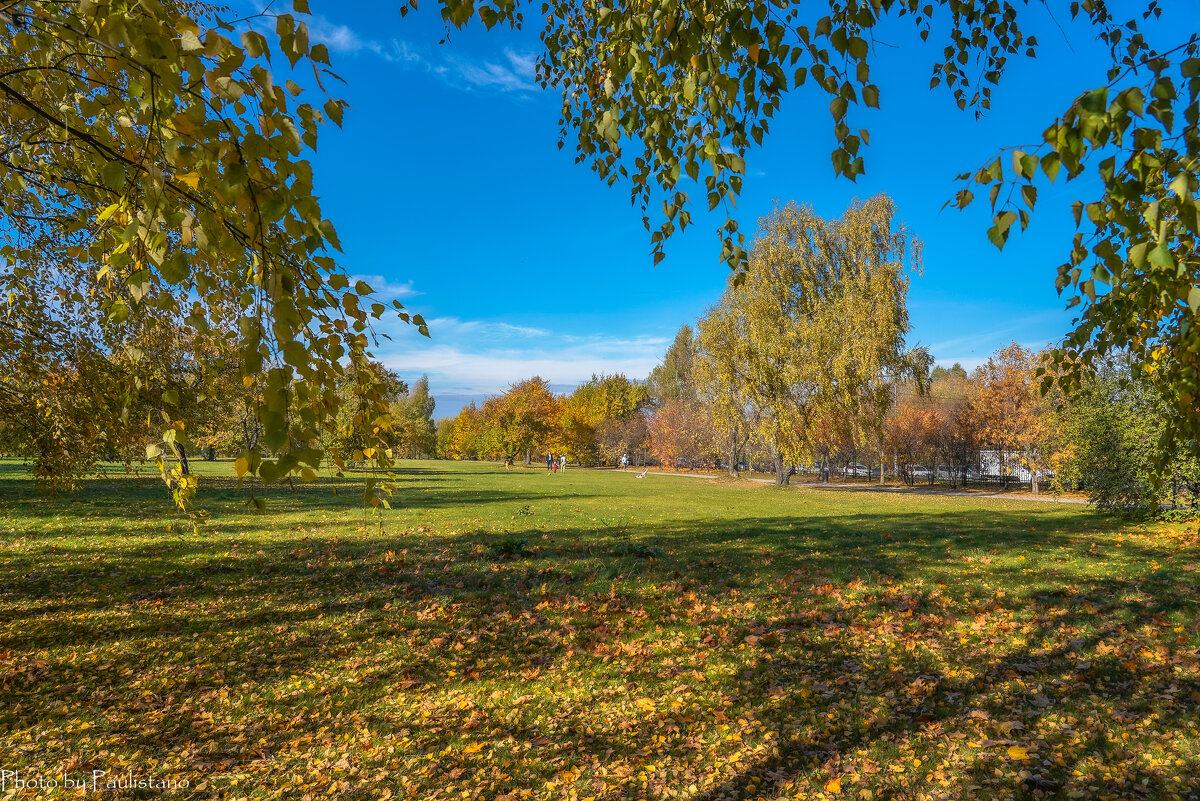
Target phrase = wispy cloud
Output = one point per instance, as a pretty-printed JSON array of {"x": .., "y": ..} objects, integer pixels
[
  {"x": 453, "y": 326},
  {"x": 514, "y": 74},
  {"x": 488, "y": 75},
  {"x": 987, "y": 341}
]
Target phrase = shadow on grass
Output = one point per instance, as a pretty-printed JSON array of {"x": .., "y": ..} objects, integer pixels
[{"x": 842, "y": 644}]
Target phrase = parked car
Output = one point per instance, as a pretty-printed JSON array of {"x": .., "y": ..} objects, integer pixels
[{"x": 858, "y": 469}]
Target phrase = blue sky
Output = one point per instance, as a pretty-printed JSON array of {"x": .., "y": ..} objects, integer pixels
[{"x": 449, "y": 192}]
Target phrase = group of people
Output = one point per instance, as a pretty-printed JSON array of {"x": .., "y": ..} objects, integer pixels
[{"x": 555, "y": 463}]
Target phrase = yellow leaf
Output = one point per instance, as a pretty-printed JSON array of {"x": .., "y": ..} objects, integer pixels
[
  {"x": 1018, "y": 752},
  {"x": 191, "y": 179},
  {"x": 833, "y": 786},
  {"x": 241, "y": 466},
  {"x": 473, "y": 748}
]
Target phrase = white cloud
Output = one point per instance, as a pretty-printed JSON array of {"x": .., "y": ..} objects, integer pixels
[
  {"x": 338, "y": 38},
  {"x": 387, "y": 289},
  {"x": 488, "y": 75},
  {"x": 454, "y": 369},
  {"x": 344, "y": 40},
  {"x": 523, "y": 64},
  {"x": 479, "y": 357}
]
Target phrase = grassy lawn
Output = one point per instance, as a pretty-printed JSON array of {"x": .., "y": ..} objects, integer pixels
[{"x": 512, "y": 634}]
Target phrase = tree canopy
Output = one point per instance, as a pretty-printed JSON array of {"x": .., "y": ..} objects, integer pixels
[
  {"x": 153, "y": 174},
  {"x": 796, "y": 329}
]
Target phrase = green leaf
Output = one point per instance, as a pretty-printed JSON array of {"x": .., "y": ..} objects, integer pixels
[
  {"x": 1095, "y": 101},
  {"x": 1161, "y": 257},
  {"x": 254, "y": 43},
  {"x": 1050, "y": 165},
  {"x": 1137, "y": 254},
  {"x": 268, "y": 472},
  {"x": 113, "y": 175},
  {"x": 1029, "y": 195}
]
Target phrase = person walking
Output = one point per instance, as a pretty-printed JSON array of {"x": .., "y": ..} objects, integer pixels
[
  {"x": 624, "y": 462},
  {"x": 562, "y": 460},
  {"x": 549, "y": 459}
]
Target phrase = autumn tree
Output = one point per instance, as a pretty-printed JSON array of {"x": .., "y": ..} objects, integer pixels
[
  {"x": 954, "y": 438},
  {"x": 445, "y": 438},
  {"x": 522, "y": 420},
  {"x": 800, "y": 352},
  {"x": 154, "y": 169},
  {"x": 464, "y": 434},
  {"x": 618, "y": 437},
  {"x": 56, "y": 404},
  {"x": 681, "y": 431},
  {"x": 603, "y": 398},
  {"x": 1012, "y": 415}
]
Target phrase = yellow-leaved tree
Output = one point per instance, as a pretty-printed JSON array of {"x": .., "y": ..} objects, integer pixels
[
  {"x": 154, "y": 175},
  {"x": 819, "y": 319}
]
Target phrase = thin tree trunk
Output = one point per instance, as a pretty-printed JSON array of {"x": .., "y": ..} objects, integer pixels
[{"x": 184, "y": 467}]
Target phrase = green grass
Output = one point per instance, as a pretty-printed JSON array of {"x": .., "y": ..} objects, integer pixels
[{"x": 513, "y": 634}]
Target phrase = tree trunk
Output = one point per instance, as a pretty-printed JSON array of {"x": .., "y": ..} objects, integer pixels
[
  {"x": 781, "y": 472},
  {"x": 733, "y": 454},
  {"x": 882, "y": 456},
  {"x": 528, "y": 457},
  {"x": 1033, "y": 478}
]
